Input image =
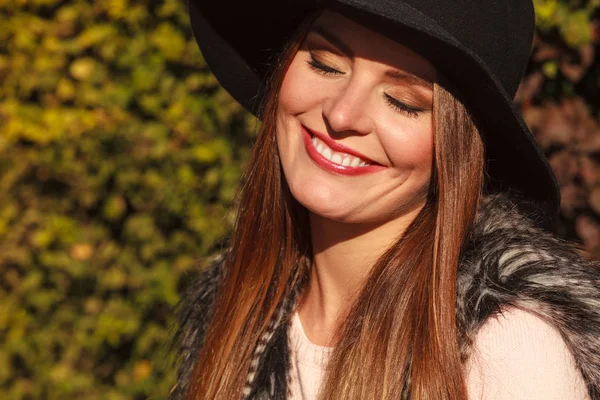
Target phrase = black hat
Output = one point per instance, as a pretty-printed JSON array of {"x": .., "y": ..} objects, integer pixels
[{"x": 482, "y": 47}]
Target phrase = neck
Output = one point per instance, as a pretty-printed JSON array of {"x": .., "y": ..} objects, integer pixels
[{"x": 343, "y": 255}]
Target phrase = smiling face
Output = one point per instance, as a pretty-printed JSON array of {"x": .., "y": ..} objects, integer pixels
[{"x": 354, "y": 124}]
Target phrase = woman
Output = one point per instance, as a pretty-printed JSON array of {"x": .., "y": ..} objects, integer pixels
[{"x": 389, "y": 238}]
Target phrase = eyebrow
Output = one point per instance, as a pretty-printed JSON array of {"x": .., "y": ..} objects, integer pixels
[
  {"x": 409, "y": 78},
  {"x": 333, "y": 39},
  {"x": 395, "y": 74}
]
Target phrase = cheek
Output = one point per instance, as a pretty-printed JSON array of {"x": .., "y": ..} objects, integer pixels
[
  {"x": 298, "y": 89},
  {"x": 414, "y": 147},
  {"x": 296, "y": 97}
]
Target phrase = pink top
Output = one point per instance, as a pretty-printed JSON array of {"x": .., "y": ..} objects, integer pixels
[{"x": 516, "y": 356}]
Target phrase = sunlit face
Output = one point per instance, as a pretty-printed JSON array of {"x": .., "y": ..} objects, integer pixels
[{"x": 354, "y": 126}]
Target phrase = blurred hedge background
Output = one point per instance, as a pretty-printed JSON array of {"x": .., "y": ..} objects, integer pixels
[{"x": 119, "y": 157}]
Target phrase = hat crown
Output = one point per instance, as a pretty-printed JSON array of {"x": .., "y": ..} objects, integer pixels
[{"x": 499, "y": 32}]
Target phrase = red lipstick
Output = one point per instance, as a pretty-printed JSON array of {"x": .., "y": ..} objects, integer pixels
[{"x": 330, "y": 166}]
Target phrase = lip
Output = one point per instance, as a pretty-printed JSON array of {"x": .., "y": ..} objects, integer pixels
[
  {"x": 333, "y": 145},
  {"x": 330, "y": 166}
]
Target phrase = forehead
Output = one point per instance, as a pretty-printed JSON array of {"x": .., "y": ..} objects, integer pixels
[{"x": 370, "y": 45}]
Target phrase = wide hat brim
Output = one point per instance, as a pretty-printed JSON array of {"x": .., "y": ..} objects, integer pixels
[{"x": 239, "y": 41}]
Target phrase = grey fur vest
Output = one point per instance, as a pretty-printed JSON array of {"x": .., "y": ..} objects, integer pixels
[{"x": 506, "y": 262}]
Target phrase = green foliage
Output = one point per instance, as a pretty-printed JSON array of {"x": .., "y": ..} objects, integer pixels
[
  {"x": 571, "y": 18},
  {"x": 565, "y": 50},
  {"x": 119, "y": 158}
]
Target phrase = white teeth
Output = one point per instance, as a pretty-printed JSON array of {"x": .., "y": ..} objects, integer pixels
[{"x": 345, "y": 160}]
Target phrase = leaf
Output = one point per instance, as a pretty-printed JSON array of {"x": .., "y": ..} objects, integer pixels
[
  {"x": 169, "y": 41},
  {"x": 575, "y": 71},
  {"x": 577, "y": 29},
  {"x": 82, "y": 68},
  {"x": 594, "y": 200},
  {"x": 589, "y": 231}
]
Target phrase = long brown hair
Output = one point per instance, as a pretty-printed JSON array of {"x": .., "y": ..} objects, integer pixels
[{"x": 402, "y": 324}]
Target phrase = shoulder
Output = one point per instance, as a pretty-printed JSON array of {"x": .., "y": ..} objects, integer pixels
[
  {"x": 193, "y": 314},
  {"x": 518, "y": 355},
  {"x": 508, "y": 263}
]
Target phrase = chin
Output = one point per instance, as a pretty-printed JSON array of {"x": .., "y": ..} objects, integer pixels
[
  {"x": 335, "y": 215},
  {"x": 322, "y": 200}
]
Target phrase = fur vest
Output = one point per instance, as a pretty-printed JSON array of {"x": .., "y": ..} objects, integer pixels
[{"x": 506, "y": 262}]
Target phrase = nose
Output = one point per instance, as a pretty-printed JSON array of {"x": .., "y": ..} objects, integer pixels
[{"x": 346, "y": 111}]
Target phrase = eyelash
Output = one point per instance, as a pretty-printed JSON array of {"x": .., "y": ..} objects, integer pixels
[
  {"x": 396, "y": 104},
  {"x": 322, "y": 68},
  {"x": 400, "y": 106}
]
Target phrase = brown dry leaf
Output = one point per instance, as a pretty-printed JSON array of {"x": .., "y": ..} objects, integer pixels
[
  {"x": 574, "y": 108},
  {"x": 589, "y": 171},
  {"x": 573, "y": 198},
  {"x": 529, "y": 87},
  {"x": 577, "y": 70},
  {"x": 544, "y": 51},
  {"x": 594, "y": 200},
  {"x": 555, "y": 127},
  {"x": 534, "y": 117},
  {"x": 565, "y": 166},
  {"x": 566, "y": 124},
  {"x": 591, "y": 144},
  {"x": 577, "y": 113},
  {"x": 588, "y": 231}
]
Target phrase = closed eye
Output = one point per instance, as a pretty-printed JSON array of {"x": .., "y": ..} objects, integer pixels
[
  {"x": 320, "y": 67},
  {"x": 403, "y": 107},
  {"x": 324, "y": 69}
]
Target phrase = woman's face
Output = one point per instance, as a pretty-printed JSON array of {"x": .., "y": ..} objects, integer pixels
[{"x": 354, "y": 125}]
